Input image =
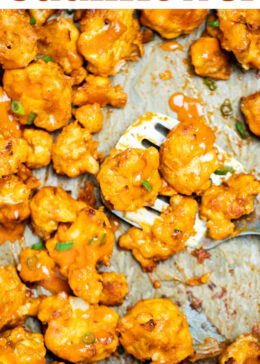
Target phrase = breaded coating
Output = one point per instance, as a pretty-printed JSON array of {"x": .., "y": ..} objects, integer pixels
[
  {"x": 170, "y": 23},
  {"x": 76, "y": 331},
  {"x": 187, "y": 157},
  {"x": 209, "y": 60},
  {"x": 250, "y": 107},
  {"x": 166, "y": 237},
  {"x": 155, "y": 329},
  {"x": 108, "y": 39},
  {"x": 75, "y": 152},
  {"x": 244, "y": 350},
  {"x": 99, "y": 90},
  {"x": 14, "y": 151},
  {"x": 130, "y": 179},
  {"x": 90, "y": 116},
  {"x": 41, "y": 15},
  {"x": 43, "y": 91},
  {"x": 40, "y": 147},
  {"x": 240, "y": 34},
  {"x": 50, "y": 206},
  {"x": 229, "y": 201},
  {"x": 16, "y": 303},
  {"x": 58, "y": 39},
  {"x": 115, "y": 288},
  {"x": 9, "y": 126},
  {"x": 19, "y": 346},
  {"x": 87, "y": 194},
  {"x": 18, "y": 39},
  {"x": 78, "y": 76}
]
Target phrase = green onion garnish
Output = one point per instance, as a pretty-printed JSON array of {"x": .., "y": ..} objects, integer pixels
[
  {"x": 17, "y": 108},
  {"x": 88, "y": 338},
  {"x": 91, "y": 241},
  {"x": 214, "y": 24},
  {"x": 70, "y": 11},
  {"x": 31, "y": 118},
  {"x": 38, "y": 246},
  {"x": 240, "y": 129},
  {"x": 147, "y": 185},
  {"x": 226, "y": 108},
  {"x": 210, "y": 83},
  {"x": 32, "y": 262},
  {"x": 32, "y": 21},
  {"x": 47, "y": 59},
  {"x": 120, "y": 350},
  {"x": 102, "y": 238},
  {"x": 153, "y": 37},
  {"x": 64, "y": 246},
  {"x": 224, "y": 171}
]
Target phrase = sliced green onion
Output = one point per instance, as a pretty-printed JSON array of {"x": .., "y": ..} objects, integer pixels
[
  {"x": 64, "y": 246},
  {"x": 240, "y": 129},
  {"x": 47, "y": 59},
  {"x": 102, "y": 238},
  {"x": 70, "y": 11},
  {"x": 88, "y": 338},
  {"x": 120, "y": 350},
  {"x": 224, "y": 171},
  {"x": 17, "y": 108},
  {"x": 38, "y": 246},
  {"x": 153, "y": 37},
  {"x": 147, "y": 185},
  {"x": 32, "y": 21},
  {"x": 32, "y": 262},
  {"x": 31, "y": 118},
  {"x": 214, "y": 24},
  {"x": 91, "y": 241},
  {"x": 226, "y": 108},
  {"x": 210, "y": 83}
]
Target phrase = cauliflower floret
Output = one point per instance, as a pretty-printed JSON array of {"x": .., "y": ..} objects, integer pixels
[
  {"x": 170, "y": 23},
  {"x": 166, "y": 237},
  {"x": 130, "y": 179},
  {"x": 109, "y": 38},
  {"x": 8, "y": 124},
  {"x": 229, "y": 201},
  {"x": 77, "y": 331},
  {"x": 75, "y": 152},
  {"x": 209, "y": 60},
  {"x": 58, "y": 39},
  {"x": 250, "y": 107},
  {"x": 90, "y": 116},
  {"x": 78, "y": 76},
  {"x": 16, "y": 303},
  {"x": 40, "y": 147},
  {"x": 41, "y": 15},
  {"x": 115, "y": 288},
  {"x": 155, "y": 329},
  {"x": 18, "y": 40},
  {"x": 50, "y": 206},
  {"x": 44, "y": 93},
  {"x": 99, "y": 90},
  {"x": 188, "y": 157},
  {"x": 19, "y": 346}
]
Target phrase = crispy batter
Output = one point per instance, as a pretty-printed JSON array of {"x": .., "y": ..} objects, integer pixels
[
  {"x": 18, "y": 40},
  {"x": 170, "y": 23},
  {"x": 166, "y": 237},
  {"x": 41, "y": 88},
  {"x": 19, "y": 346},
  {"x": 49, "y": 207},
  {"x": 41, "y": 15},
  {"x": 40, "y": 147},
  {"x": 75, "y": 152},
  {"x": 188, "y": 157},
  {"x": 250, "y": 107},
  {"x": 99, "y": 90},
  {"x": 209, "y": 60},
  {"x": 240, "y": 34},
  {"x": 122, "y": 176},
  {"x": 8, "y": 124},
  {"x": 244, "y": 350},
  {"x": 90, "y": 116},
  {"x": 155, "y": 329},
  {"x": 229, "y": 201},
  {"x": 16, "y": 303},
  {"x": 78, "y": 76},
  {"x": 70, "y": 320},
  {"x": 109, "y": 38},
  {"x": 115, "y": 288},
  {"x": 58, "y": 39}
]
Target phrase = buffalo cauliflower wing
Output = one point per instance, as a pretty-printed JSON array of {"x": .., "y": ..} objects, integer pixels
[
  {"x": 229, "y": 201},
  {"x": 250, "y": 107},
  {"x": 40, "y": 147},
  {"x": 155, "y": 329},
  {"x": 109, "y": 38},
  {"x": 90, "y": 116},
  {"x": 115, "y": 288},
  {"x": 41, "y": 15},
  {"x": 43, "y": 92}
]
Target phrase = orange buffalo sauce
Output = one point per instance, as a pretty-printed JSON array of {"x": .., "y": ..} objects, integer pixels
[
  {"x": 186, "y": 107},
  {"x": 14, "y": 232},
  {"x": 56, "y": 283},
  {"x": 171, "y": 46},
  {"x": 8, "y": 124}
]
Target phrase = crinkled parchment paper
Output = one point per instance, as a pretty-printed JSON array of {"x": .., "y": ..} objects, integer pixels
[{"x": 229, "y": 306}]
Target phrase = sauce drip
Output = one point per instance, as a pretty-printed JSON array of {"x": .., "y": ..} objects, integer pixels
[
  {"x": 186, "y": 107},
  {"x": 14, "y": 232},
  {"x": 8, "y": 124},
  {"x": 171, "y": 46},
  {"x": 56, "y": 283}
]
